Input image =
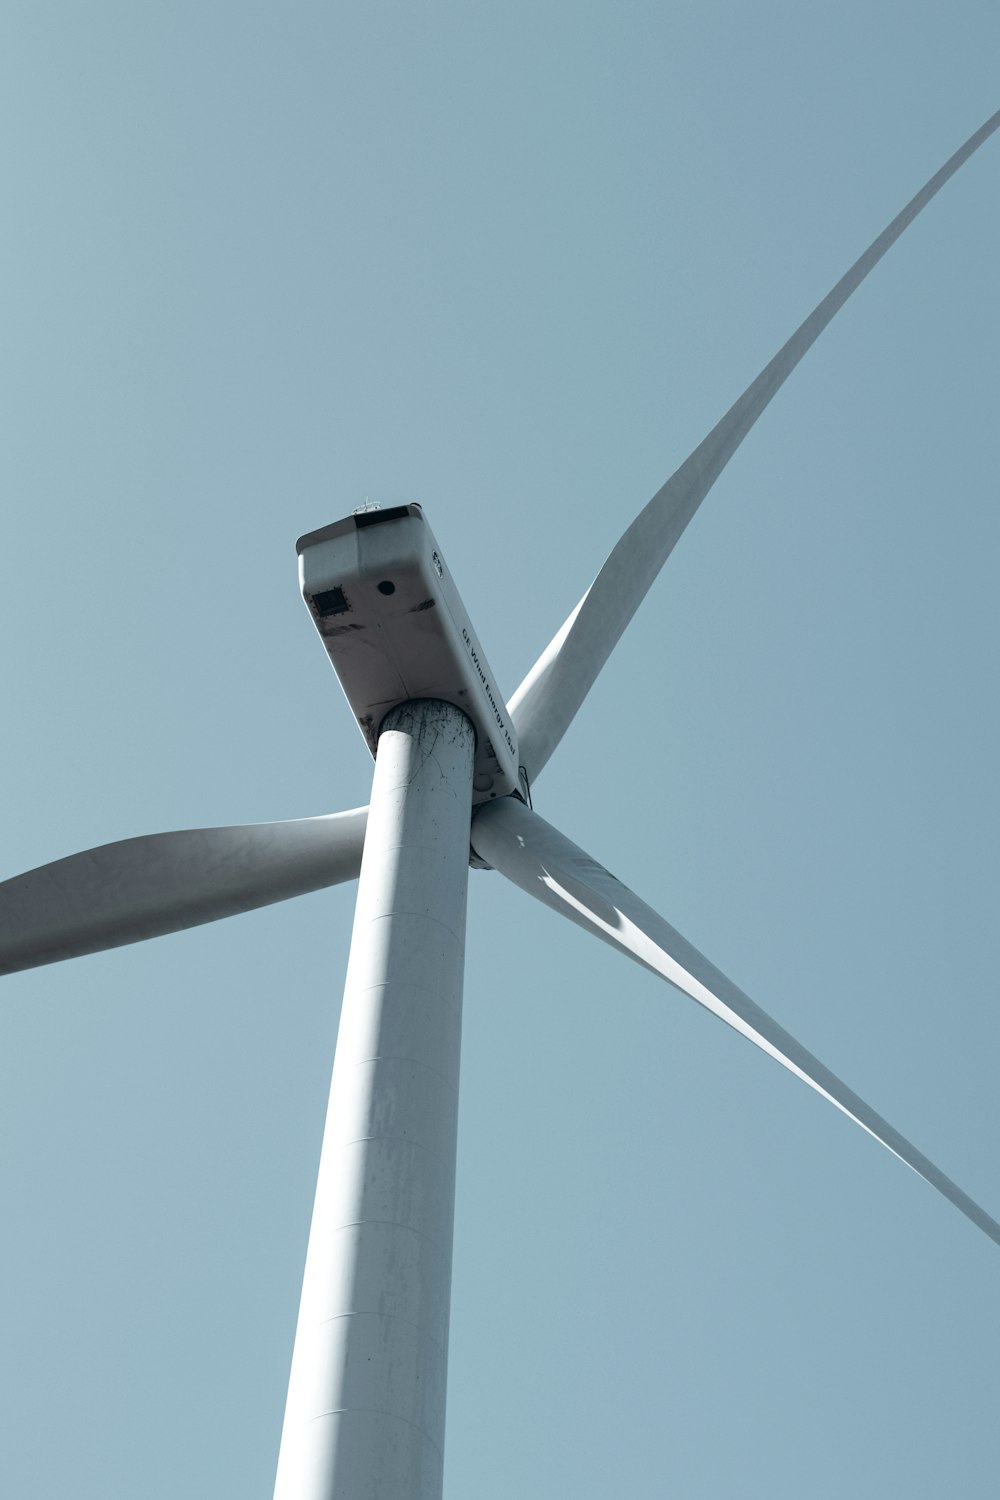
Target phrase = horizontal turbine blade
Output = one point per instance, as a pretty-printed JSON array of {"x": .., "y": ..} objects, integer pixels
[
  {"x": 547, "y": 700},
  {"x": 535, "y": 856},
  {"x": 143, "y": 887}
]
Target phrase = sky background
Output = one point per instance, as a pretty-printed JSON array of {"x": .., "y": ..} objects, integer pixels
[{"x": 263, "y": 262}]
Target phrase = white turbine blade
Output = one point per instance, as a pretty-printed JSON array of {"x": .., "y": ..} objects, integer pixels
[
  {"x": 143, "y": 887},
  {"x": 535, "y": 856},
  {"x": 547, "y": 700}
]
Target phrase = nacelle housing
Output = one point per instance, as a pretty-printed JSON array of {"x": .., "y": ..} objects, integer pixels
[{"x": 395, "y": 628}]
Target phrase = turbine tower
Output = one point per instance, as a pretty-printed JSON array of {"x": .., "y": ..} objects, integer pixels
[{"x": 455, "y": 766}]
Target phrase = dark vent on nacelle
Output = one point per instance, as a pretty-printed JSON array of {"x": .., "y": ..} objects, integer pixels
[
  {"x": 376, "y": 517},
  {"x": 330, "y": 602}
]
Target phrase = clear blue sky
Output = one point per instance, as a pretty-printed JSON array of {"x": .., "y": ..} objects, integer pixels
[{"x": 263, "y": 261}]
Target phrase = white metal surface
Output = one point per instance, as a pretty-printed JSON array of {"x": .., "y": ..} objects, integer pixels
[
  {"x": 366, "y": 1398},
  {"x": 543, "y": 862},
  {"x": 395, "y": 629},
  {"x": 546, "y": 702},
  {"x": 162, "y": 882}
]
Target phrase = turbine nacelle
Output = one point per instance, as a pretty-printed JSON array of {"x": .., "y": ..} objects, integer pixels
[{"x": 395, "y": 628}]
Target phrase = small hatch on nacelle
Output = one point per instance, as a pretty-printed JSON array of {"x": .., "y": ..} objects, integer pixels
[{"x": 330, "y": 602}]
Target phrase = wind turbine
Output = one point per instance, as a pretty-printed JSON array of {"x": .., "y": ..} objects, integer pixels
[{"x": 366, "y": 1400}]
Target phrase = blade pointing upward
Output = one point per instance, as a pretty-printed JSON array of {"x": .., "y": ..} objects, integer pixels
[
  {"x": 547, "y": 700},
  {"x": 538, "y": 858},
  {"x": 144, "y": 887}
]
